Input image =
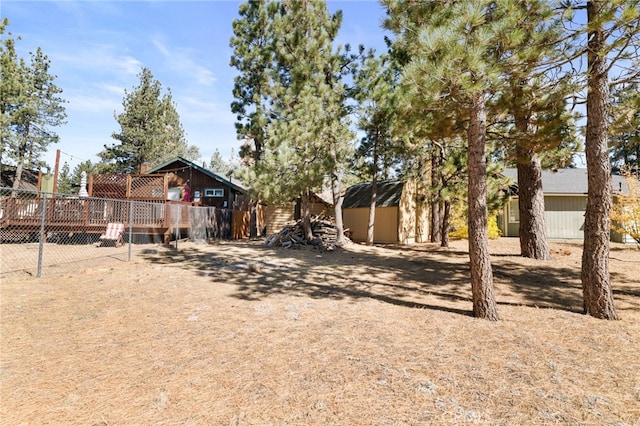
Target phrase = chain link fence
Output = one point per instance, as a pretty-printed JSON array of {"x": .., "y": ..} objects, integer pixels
[{"x": 42, "y": 233}]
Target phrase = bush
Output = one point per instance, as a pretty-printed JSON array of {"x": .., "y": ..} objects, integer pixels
[
  {"x": 459, "y": 229},
  {"x": 626, "y": 210}
]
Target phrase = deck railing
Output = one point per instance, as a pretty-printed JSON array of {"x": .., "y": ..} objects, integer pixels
[{"x": 28, "y": 217}]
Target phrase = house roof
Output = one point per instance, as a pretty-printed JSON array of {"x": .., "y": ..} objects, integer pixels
[
  {"x": 387, "y": 195},
  {"x": 194, "y": 166},
  {"x": 29, "y": 179},
  {"x": 567, "y": 181}
]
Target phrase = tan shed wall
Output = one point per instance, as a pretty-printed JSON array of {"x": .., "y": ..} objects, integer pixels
[
  {"x": 276, "y": 217},
  {"x": 319, "y": 209},
  {"x": 386, "y": 224}
]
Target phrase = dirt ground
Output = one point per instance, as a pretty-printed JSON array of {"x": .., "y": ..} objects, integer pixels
[{"x": 242, "y": 334}]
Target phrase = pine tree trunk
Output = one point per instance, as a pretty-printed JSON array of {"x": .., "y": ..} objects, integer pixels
[
  {"x": 532, "y": 231},
  {"x": 306, "y": 216},
  {"x": 338, "y": 198},
  {"x": 484, "y": 304},
  {"x": 446, "y": 224},
  {"x": 422, "y": 208},
  {"x": 436, "y": 220},
  {"x": 596, "y": 288},
  {"x": 374, "y": 195},
  {"x": 253, "y": 219},
  {"x": 17, "y": 179}
]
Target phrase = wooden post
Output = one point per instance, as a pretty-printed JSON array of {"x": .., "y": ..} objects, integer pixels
[
  {"x": 90, "y": 185},
  {"x": 128, "y": 194},
  {"x": 56, "y": 169},
  {"x": 166, "y": 187}
]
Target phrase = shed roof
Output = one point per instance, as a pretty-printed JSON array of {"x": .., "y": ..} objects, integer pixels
[
  {"x": 567, "y": 181},
  {"x": 188, "y": 164},
  {"x": 387, "y": 195}
]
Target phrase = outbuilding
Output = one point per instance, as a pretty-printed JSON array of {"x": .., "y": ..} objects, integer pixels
[{"x": 401, "y": 214}]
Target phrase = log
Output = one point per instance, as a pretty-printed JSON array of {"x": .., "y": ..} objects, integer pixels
[{"x": 324, "y": 233}]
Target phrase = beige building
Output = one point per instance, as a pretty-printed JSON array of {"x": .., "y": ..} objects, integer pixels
[
  {"x": 276, "y": 217},
  {"x": 565, "y": 201},
  {"x": 401, "y": 215}
]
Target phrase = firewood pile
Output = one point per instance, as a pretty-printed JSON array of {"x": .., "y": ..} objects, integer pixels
[{"x": 324, "y": 232}]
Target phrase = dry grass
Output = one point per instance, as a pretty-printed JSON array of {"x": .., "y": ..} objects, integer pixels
[{"x": 237, "y": 333}]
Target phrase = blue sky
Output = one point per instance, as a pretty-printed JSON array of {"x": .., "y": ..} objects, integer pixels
[{"x": 97, "y": 48}]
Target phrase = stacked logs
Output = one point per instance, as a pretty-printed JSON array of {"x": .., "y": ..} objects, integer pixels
[{"x": 324, "y": 232}]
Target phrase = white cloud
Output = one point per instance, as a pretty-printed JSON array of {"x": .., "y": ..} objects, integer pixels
[
  {"x": 181, "y": 60},
  {"x": 92, "y": 103},
  {"x": 104, "y": 58},
  {"x": 194, "y": 109},
  {"x": 112, "y": 88}
]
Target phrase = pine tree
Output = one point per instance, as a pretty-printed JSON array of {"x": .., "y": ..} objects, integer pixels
[
  {"x": 65, "y": 184},
  {"x": 150, "y": 130},
  {"x": 300, "y": 90},
  {"x": 30, "y": 106},
  {"x": 453, "y": 59},
  {"x": 535, "y": 100},
  {"x": 11, "y": 88},
  {"x": 222, "y": 167},
  {"x": 374, "y": 89},
  {"x": 625, "y": 126},
  {"x": 335, "y": 132},
  {"x": 253, "y": 57},
  {"x": 613, "y": 33}
]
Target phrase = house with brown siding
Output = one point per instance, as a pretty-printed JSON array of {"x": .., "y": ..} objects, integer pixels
[{"x": 192, "y": 183}]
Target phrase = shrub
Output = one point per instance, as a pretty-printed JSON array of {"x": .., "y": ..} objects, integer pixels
[
  {"x": 459, "y": 229},
  {"x": 625, "y": 217}
]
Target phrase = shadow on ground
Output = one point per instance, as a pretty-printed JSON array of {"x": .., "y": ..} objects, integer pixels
[{"x": 425, "y": 277}]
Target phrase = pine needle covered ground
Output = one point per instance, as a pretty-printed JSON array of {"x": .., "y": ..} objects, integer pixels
[{"x": 240, "y": 333}]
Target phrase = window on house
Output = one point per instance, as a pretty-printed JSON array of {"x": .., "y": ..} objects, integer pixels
[
  {"x": 214, "y": 192},
  {"x": 514, "y": 212}
]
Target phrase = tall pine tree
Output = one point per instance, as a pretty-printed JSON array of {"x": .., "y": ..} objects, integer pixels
[
  {"x": 30, "y": 106},
  {"x": 453, "y": 59},
  {"x": 253, "y": 57},
  {"x": 625, "y": 126},
  {"x": 613, "y": 34},
  {"x": 375, "y": 84},
  {"x": 150, "y": 130},
  {"x": 535, "y": 100},
  {"x": 292, "y": 75}
]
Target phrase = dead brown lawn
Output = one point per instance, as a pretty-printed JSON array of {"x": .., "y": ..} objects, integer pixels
[{"x": 238, "y": 333}]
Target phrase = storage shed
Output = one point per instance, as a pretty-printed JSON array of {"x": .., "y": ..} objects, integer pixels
[
  {"x": 276, "y": 217},
  {"x": 401, "y": 213}
]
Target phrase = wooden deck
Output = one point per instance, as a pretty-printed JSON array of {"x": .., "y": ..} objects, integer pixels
[{"x": 91, "y": 215}]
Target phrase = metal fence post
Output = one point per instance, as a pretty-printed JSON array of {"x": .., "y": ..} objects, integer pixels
[
  {"x": 130, "y": 227},
  {"x": 43, "y": 218}
]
